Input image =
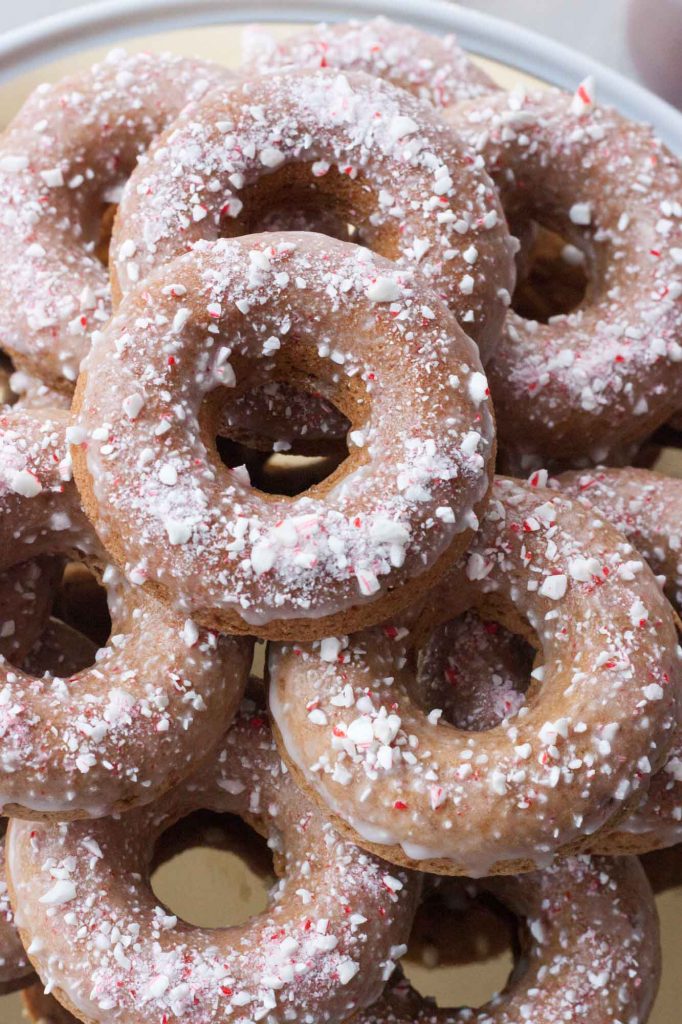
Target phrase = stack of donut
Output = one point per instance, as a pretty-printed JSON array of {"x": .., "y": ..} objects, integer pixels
[{"x": 466, "y": 673}]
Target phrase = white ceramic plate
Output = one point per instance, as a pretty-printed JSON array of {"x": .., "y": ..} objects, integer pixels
[{"x": 56, "y": 36}]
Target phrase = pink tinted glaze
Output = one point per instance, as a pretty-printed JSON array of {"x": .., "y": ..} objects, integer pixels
[{"x": 323, "y": 948}]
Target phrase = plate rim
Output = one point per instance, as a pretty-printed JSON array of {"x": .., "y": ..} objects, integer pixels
[{"x": 57, "y": 35}]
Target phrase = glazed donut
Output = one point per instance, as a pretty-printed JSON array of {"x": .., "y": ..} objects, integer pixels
[
  {"x": 62, "y": 159},
  {"x": 608, "y": 373},
  {"x": 647, "y": 508},
  {"x": 400, "y": 780},
  {"x": 159, "y": 694},
  {"x": 476, "y": 672},
  {"x": 323, "y": 948},
  {"x": 198, "y": 830},
  {"x": 357, "y": 146},
  {"x": 371, "y": 537},
  {"x": 433, "y": 69},
  {"x": 590, "y": 951}
]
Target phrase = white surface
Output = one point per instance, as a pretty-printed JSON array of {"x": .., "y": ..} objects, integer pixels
[
  {"x": 595, "y": 27},
  {"x": 108, "y": 21}
]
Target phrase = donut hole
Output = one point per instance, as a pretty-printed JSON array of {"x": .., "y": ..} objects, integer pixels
[
  {"x": 103, "y": 228},
  {"x": 461, "y": 944},
  {"x": 212, "y": 870},
  {"x": 7, "y": 395},
  {"x": 76, "y": 623},
  {"x": 553, "y": 275},
  {"x": 311, "y": 449},
  {"x": 278, "y": 473},
  {"x": 81, "y": 603},
  {"x": 475, "y": 671},
  {"x": 294, "y": 197}
]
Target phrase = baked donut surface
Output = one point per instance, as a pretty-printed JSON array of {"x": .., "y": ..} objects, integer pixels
[
  {"x": 323, "y": 947},
  {"x": 63, "y": 160},
  {"x": 596, "y": 725},
  {"x": 295, "y": 306},
  {"x": 432, "y": 68},
  {"x": 590, "y": 951},
  {"x": 608, "y": 373},
  {"x": 159, "y": 693},
  {"x": 376, "y": 156}
]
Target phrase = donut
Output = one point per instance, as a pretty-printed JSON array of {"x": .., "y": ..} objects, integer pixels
[
  {"x": 63, "y": 158},
  {"x": 590, "y": 951},
  {"x": 323, "y": 948},
  {"x": 201, "y": 829},
  {"x": 348, "y": 143},
  {"x": 433, "y": 69},
  {"x": 160, "y": 693},
  {"x": 372, "y": 536},
  {"x": 647, "y": 508},
  {"x": 397, "y": 779},
  {"x": 608, "y": 373}
]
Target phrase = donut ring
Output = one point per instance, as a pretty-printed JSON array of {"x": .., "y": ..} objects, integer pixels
[
  {"x": 647, "y": 508},
  {"x": 358, "y": 146},
  {"x": 433, "y": 69},
  {"x": 397, "y": 511},
  {"x": 590, "y": 951},
  {"x": 431, "y": 796},
  {"x": 65, "y": 155},
  {"x": 610, "y": 372},
  {"x": 338, "y": 912},
  {"x": 476, "y": 672},
  {"x": 185, "y": 835},
  {"x": 160, "y": 692}
]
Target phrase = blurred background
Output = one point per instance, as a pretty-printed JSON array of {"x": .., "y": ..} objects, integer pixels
[{"x": 641, "y": 38}]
